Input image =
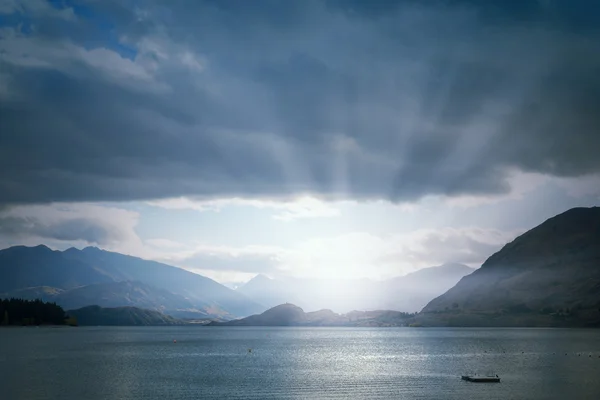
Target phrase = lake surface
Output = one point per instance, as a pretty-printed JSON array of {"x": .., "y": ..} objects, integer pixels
[{"x": 296, "y": 363}]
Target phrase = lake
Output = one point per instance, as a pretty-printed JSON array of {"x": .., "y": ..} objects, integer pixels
[{"x": 296, "y": 363}]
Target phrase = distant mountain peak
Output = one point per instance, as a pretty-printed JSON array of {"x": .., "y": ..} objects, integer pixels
[
  {"x": 260, "y": 277},
  {"x": 91, "y": 249},
  {"x": 258, "y": 282},
  {"x": 285, "y": 306},
  {"x": 39, "y": 249},
  {"x": 454, "y": 265},
  {"x": 452, "y": 268}
]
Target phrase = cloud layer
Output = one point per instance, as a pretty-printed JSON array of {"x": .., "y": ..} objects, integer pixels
[
  {"x": 333, "y": 99},
  {"x": 351, "y": 255},
  {"x": 70, "y": 224},
  {"x": 290, "y": 210}
]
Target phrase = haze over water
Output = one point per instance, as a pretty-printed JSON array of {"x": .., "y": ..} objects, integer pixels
[{"x": 294, "y": 363}]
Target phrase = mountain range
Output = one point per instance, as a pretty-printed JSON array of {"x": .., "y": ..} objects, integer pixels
[
  {"x": 76, "y": 278},
  {"x": 408, "y": 293},
  {"x": 549, "y": 276}
]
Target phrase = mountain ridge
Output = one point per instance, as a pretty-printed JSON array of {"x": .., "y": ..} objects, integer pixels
[
  {"x": 548, "y": 276},
  {"x": 291, "y": 315},
  {"x": 24, "y": 268}
]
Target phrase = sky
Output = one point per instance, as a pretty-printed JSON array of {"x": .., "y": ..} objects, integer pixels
[{"x": 322, "y": 139}]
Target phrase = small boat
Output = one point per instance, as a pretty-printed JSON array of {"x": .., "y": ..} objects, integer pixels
[{"x": 481, "y": 378}]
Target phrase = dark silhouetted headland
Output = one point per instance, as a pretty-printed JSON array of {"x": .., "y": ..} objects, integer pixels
[
  {"x": 292, "y": 315},
  {"x": 30, "y": 312}
]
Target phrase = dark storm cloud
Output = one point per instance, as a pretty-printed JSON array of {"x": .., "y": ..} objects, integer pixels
[
  {"x": 357, "y": 99},
  {"x": 69, "y": 230},
  {"x": 67, "y": 223}
]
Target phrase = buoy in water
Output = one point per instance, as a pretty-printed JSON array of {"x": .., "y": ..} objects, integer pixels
[{"x": 174, "y": 341}]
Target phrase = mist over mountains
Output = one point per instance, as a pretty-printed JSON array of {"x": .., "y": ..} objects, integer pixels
[
  {"x": 78, "y": 278},
  {"x": 549, "y": 276},
  {"x": 408, "y": 293}
]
